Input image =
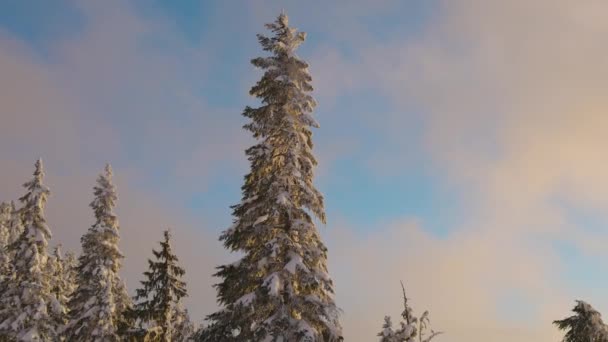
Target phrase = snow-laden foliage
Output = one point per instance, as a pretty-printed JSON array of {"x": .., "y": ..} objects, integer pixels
[
  {"x": 5, "y": 218},
  {"x": 412, "y": 329},
  {"x": 28, "y": 309},
  {"x": 15, "y": 225},
  {"x": 387, "y": 334},
  {"x": 63, "y": 279},
  {"x": 100, "y": 301},
  {"x": 280, "y": 290},
  {"x": 11, "y": 227},
  {"x": 158, "y": 310},
  {"x": 183, "y": 328},
  {"x": 585, "y": 326}
]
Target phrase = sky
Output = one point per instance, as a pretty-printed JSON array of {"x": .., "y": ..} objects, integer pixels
[{"x": 461, "y": 147}]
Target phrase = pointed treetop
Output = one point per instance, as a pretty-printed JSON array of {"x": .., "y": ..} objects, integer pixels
[
  {"x": 167, "y": 243},
  {"x": 37, "y": 192},
  {"x": 57, "y": 251},
  {"x": 406, "y": 310},
  {"x": 108, "y": 170},
  {"x": 39, "y": 172},
  {"x": 286, "y": 39},
  {"x": 105, "y": 198},
  {"x": 283, "y": 18}
]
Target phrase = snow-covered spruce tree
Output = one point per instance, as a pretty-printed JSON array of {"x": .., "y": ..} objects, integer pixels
[
  {"x": 5, "y": 218},
  {"x": 184, "y": 328},
  {"x": 63, "y": 278},
  {"x": 387, "y": 334},
  {"x": 15, "y": 226},
  {"x": 412, "y": 329},
  {"x": 70, "y": 264},
  {"x": 157, "y": 308},
  {"x": 585, "y": 326},
  {"x": 28, "y": 309},
  {"x": 100, "y": 301},
  {"x": 280, "y": 290},
  {"x": 11, "y": 227}
]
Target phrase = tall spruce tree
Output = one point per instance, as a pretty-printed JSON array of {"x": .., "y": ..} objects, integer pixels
[
  {"x": 159, "y": 310},
  {"x": 280, "y": 290},
  {"x": 100, "y": 301},
  {"x": 585, "y": 326},
  {"x": 28, "y": 309}
]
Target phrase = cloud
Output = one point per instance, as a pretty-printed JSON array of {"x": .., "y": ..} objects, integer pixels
[
  {"x": 512, "y": 99},
  {"x": 461, "y": 280}
]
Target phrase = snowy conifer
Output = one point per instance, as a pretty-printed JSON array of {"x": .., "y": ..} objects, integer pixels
[
  {"x": 280, "y": 290},
  {"x": 28, "y": 309},
  {"x": 159, "y": 309},
  {"x": 412, "y": 329},
  {"x": 585, "y": 326},
  {"x": 5, "y": 219},
  {"x": 15, "y": 225},
  {"x": 15, "y": 229},
  {"x": 70, "y": 264},
  {"x": 100, "y": 301},
  {"x": 184, "y": 328},
  {"x": 387, "y": 334},
  {"x": 63, "y": 279},
  {"x": 11, "y": 225}
]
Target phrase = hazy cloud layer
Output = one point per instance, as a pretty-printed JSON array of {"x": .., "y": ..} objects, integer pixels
[{"x": 512, "y": 95}]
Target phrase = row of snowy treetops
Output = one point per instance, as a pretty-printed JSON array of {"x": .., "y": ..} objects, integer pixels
[{"x": 279, "y": 291}]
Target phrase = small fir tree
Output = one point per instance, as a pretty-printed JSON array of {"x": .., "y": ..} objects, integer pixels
[
  {"x": 585, "y": 326},
  {"x": 387, "y": 334},
  {"x": 412, "y": 329},
  {"x": 28, "y": 309},
  {"x": 100, "y": 301},
  {"x": 159, "y": 309},
  {"x": 280, "y": 290},
  {"x": 70, "y": 268},
  {"x": 63, "y": 281}
]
